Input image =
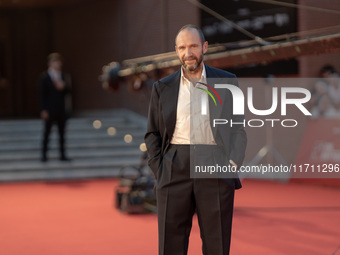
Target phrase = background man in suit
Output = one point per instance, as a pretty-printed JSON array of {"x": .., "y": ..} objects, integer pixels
[
  {"x": 53, "y": 87},
  {"x": 170, "y": 139}
]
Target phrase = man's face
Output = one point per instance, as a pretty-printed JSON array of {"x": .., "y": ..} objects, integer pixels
[
  {"x": 56, "y": 64},
  {"x": 190, "y": 50}
]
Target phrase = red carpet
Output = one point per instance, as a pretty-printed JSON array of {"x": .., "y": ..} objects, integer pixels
[{"x": 77, "y": 218}]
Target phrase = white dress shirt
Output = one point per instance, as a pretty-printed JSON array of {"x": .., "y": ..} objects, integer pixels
[{"x": 192, "y": 127}]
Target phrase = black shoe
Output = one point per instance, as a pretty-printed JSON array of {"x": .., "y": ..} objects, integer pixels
[{"x": 66, "y": 159}]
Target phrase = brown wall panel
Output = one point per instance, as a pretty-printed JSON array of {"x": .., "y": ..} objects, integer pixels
[
  {"x": 94, "y": 34},
  {"x": 24, "y": 35}
]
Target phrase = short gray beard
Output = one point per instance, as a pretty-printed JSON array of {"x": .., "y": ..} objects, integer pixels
[{"x": 193, "y": 68}]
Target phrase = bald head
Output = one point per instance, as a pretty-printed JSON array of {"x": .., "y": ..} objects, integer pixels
[{"x": 194, "y": 29}]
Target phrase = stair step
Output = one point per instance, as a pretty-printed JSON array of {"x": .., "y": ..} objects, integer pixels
[
  {"x": 108, "y": 143},
  {"x": 59, "y": 175},
  {"x": 94, "y": 153},
  {"x": 29, "y": 129},
  {"x": 70, "y": 136},
  {"x": 74, "y": 164},
  {"x": 74, "y": 154}
]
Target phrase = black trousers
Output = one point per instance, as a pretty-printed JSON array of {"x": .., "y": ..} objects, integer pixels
[
  {"x": 179, "y": 197},
  {"x": 60, "y": 120}
]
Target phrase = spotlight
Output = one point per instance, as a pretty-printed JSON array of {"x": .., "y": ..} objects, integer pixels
[
  {"x": 142, "y": 147},
  {"x": 97, "y": 124},
  {"x": 128, "y": 138},
  {"x": 111, "y": 131},
  {"x": 109, "y": 77}
]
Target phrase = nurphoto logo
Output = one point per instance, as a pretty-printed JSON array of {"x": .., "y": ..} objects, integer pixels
[{"x": 239, "y": 104}]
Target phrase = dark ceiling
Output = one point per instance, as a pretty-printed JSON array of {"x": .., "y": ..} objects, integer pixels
[{"x": 38, "y": 3}]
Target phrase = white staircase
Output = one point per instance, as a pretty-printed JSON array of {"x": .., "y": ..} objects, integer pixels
[{"x": 94, "y": 152}]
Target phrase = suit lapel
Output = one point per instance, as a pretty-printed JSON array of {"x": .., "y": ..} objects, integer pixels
[{"x": 169, "y": 103}]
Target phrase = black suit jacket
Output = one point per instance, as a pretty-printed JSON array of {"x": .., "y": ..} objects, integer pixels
[
  {"x": 163, "y": 112},
  {"x": 52, "y": 99}
]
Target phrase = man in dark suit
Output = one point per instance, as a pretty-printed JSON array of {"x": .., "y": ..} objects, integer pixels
[
  {"x": 53, "y": 87},
  {"x": 178, "y": 135}
]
